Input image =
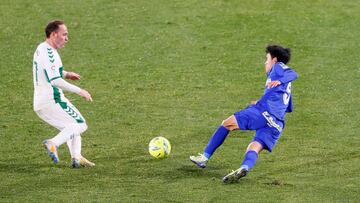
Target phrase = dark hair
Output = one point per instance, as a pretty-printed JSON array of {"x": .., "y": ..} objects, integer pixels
[
  {"x": 52, "y": 26},
  {"x": 282, "y": 54}
]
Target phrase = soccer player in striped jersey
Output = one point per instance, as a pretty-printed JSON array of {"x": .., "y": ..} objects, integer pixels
[
  {"x": 266, "y": 116},
  {"x": 50, "y": 104}
]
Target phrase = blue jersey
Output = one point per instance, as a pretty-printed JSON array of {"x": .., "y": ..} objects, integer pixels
[{"x": 278, "y": 100}]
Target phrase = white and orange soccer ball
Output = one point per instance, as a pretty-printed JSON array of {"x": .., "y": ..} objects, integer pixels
[{"x": 159, "y": 147}]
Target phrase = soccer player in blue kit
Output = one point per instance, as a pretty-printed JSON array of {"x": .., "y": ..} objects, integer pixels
[{"x": 266, "y": 116}]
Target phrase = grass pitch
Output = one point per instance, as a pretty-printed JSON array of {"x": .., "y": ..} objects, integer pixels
[{"x": 176, "y": 69}]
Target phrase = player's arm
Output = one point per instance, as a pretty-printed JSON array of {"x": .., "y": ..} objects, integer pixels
[
  {"x": 289, "y": 75},
  {"x": 62, "y": 84},
  {"x": 71, "y": 75},
  {"x": 286, "y": 76},
  {"x": 55, "y": 77}
]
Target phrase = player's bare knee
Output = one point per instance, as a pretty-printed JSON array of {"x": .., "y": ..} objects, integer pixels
[
  {"x": 230, "y": 127},
  {"x": 230, "y": 123},
  {"x": 223, "y": 123},
  {"x": 255, "y": 146},
  {"x": 226, "y": 124}
]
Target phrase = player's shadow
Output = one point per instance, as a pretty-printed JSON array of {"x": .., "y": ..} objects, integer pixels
[
  {"x": 211, "y": 173},
  {"x": 186, "y": 171},
  {"x": 194, "y": 169}
]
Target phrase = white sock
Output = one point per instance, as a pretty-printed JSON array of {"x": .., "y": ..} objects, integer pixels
[{"x": 76, "y": 147}]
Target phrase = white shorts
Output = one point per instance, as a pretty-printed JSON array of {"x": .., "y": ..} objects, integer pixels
[{"x": 61, "y": 115}]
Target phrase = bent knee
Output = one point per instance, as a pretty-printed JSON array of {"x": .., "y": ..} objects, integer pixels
[
  {"x": 79, "y": 128},
  {"x": 255, "y": 146},
  {"x": 230, "y": 123}
]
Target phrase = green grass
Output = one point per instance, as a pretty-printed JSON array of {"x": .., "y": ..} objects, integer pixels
[{"x": 177, "y": 68}]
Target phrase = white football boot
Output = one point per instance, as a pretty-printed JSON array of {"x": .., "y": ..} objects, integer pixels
[
  {"x": 81, "y": 162},
  {"x": 199, "y": 160},
  {"x": 235, "y": 176}
]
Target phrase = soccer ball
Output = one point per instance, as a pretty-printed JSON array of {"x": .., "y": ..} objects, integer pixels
[{"x": 159, "y": 147}]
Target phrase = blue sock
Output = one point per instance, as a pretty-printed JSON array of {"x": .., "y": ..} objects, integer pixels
[
  {"x": 215, "y": 141},
  {"x": 250, "y": 159}
]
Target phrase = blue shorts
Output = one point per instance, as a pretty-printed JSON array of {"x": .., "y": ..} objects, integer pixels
[{"x": 268, "y": 128}]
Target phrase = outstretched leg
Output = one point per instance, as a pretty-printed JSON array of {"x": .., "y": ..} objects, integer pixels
[
  {"x": 215, "y": 141},
  {"x": 251, "y": 156}
]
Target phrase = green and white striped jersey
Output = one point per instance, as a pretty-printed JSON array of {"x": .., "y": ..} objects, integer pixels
[{"x": 47, "y": 66}]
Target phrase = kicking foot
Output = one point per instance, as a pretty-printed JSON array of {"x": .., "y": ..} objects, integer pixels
[{"x": 199, "y": 160}]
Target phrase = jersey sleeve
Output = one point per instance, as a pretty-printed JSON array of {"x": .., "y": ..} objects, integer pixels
[
  {"x": 62, "y": 84},
  {"x": 283, "y": 73},
  {"x": 290, "y": 106},
  {"x": 288, "y": 76}
]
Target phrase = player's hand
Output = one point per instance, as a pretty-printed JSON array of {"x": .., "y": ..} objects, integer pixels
[
  {"x": 72, "y": 76},
  {"x": 86, "y": 95},
  {"x": 274, "y": 83},
  {"x": 254, "y": 102}
]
